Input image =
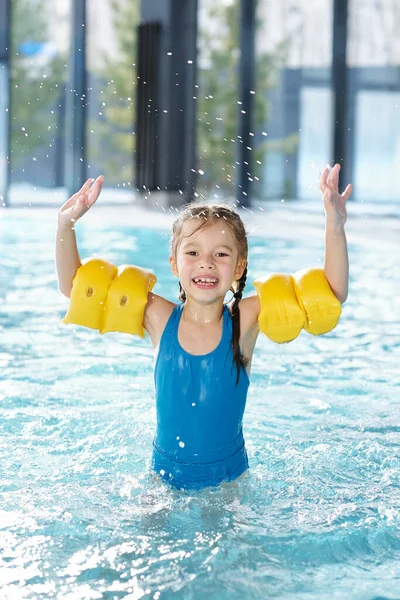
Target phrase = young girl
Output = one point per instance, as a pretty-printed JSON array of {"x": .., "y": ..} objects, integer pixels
[{"x": 204, "y": 347}]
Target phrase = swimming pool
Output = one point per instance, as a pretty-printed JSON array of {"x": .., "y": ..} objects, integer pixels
[{"x": 82, "y": 516}]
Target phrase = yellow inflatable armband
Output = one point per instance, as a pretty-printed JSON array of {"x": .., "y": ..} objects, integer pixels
[
  {"x": 127, "y": 299},
  {"x": 320, "y": 305},
  {"x": 290, "y": 302},
  {"x": 109, "y": 299},
  {"x": 89, "y": 291},
  {"x": 281, "y": 318}
]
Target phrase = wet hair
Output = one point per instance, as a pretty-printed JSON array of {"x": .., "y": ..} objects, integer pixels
[{"x": 208, "y": 215}]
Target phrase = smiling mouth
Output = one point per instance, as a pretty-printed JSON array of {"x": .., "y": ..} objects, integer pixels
[{"x": 205, "y": 283}]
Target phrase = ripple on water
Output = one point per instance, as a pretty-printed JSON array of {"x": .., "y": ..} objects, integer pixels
[{"x": 317, "y": 515}]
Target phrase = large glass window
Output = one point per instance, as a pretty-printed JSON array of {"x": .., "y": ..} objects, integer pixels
[
  {"x": 112, "y": 78},
  {"x": 374, "y": 60},
  {"x": 39, "y": 46},
  {"x": 293, "y": 102},
  {"x": 217, "y": 108}
]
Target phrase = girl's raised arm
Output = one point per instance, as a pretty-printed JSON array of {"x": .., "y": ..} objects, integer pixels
[{"x": 67, "y": 256}]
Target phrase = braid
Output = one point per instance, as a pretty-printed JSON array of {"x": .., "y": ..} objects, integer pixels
[
  {"x": 235, "y": 313},
  {"x": 182, "y": 294}
]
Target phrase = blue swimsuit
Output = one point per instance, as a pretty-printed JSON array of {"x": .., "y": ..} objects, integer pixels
[{"x": 199, "y": 440}]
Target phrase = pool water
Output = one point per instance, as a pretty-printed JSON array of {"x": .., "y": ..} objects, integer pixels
[{"x": 82, "y": 516}]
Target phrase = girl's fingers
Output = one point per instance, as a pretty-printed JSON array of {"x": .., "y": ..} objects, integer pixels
[
  {"x": 86, "y": 186},
  {"x": 95, "y": 190},
  {"x": 71, "y": 201},
  {"x": 323, "y": 179},
  {"x": 336, "y": 176},
  {"x": 333, "y": 179},
  {"x": 329, "y": 182},
  {"x": 83, "y": 189},
  {"x": 347, "y": 192},
  {"x": 330, "y": 178},
  {"x": 80, "y": 202},
  {"x": 80, "y": 207}
]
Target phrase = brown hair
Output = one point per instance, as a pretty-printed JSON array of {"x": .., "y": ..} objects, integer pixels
[{"x": 209, "y": 214}]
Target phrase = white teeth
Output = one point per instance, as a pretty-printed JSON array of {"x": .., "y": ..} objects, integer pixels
[{"x": 205, "y": 280}]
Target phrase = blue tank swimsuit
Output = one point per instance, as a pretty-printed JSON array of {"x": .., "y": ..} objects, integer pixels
[{"x": 199, "y": 439}]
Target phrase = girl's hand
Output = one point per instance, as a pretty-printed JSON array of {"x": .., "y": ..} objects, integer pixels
[
  {"x": 334, "y": 203},
  {"x": 79, "y": 203}
]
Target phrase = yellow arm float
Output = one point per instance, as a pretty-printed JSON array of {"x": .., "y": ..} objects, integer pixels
[
  {"x": 281, "y": 318},
  {"x": 289, "y": 303},
  {"x": 127, "y": 299},
  {"x": 320, "y": 305},
  {"x": 109, "y": 299}
]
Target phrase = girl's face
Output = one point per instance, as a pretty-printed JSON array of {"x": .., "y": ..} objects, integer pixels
[{"x": 207, "y": 261}]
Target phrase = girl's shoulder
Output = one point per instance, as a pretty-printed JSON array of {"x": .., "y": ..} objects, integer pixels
[{"x": 157, "y": 312}]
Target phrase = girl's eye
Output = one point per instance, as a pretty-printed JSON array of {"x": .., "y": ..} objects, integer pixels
[{"x": 193, "y": 252}]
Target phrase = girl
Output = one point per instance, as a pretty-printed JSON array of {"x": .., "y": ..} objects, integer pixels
[{"x": 204, "y": 347}]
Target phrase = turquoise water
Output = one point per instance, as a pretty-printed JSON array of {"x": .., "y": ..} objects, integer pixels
[{"x": 82, "y": 516}]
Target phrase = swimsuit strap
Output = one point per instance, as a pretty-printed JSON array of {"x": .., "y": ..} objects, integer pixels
[{"x": 226, "y": 334}]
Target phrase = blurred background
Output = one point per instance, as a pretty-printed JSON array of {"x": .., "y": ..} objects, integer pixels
[{"x": 179, "y": 99}]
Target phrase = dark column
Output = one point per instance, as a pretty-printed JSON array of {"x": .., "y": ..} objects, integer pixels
[
  {"x": 190, "y": 30},
  {"x": 349, "y": 170},
  {"x": 166, "y": 127},
  {"x": 245, "y": 112},
  {"x": 292, "y": 82},
  {"x": 340, "y": 90},
  {"x": 5, "y": 124},
  {"x": 59, "y": 167},
  {"x": 147, "y": 106},
  {"x": 76, "y": 100}
]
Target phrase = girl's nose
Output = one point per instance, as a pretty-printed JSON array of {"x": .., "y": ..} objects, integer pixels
[{"x": 207, "y": 262}]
